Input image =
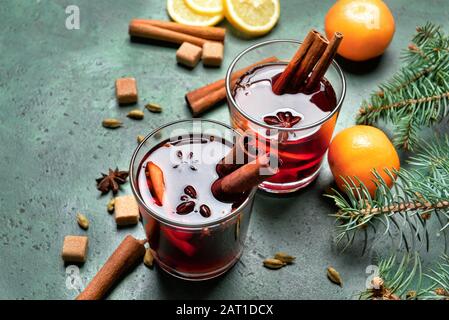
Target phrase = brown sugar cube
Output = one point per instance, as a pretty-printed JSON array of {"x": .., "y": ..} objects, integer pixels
[
  {"x": 126, "y": 90},
  {"x": 126, "y": 210},
  {"x": 213, "y": 53},
  {"x": 74, "y": 249},
  {"x": 188, "y": 54}
]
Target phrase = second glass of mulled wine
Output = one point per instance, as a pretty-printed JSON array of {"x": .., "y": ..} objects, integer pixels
[{"x": 297, "y": 125}]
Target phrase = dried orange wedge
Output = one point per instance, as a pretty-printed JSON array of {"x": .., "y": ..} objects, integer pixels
[{"x": 156, "y": 176}]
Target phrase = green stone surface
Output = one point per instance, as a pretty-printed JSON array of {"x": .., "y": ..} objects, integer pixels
[{"x": 56, "y": 86}]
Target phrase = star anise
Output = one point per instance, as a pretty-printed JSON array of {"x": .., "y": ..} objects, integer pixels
[
  {"x": 283, "y": 120},
  {"x": 111, "y": 181}
]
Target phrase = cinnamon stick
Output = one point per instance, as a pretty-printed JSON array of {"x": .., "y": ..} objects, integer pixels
[
  {"x": 201, "y": 99},
  {"x": 309, "y": 61},
  {"x": 324, "y": 62},
  {"x": 282, "y": 83},
  {"x": 128, "y": 253},
  {"x": 149, "y": 31},
  {"x": 209, "y": 33},
  {"x": 235, "y": 158},
  {"x": 245, "y": 178}
]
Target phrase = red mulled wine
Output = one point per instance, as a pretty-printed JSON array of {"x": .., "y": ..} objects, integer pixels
[
  {"x": 300, "y": 149},
  {"x": 189, "y": 235}
]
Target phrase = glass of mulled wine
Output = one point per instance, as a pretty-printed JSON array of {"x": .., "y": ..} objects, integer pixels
[
  {"x": 297, "y": 125},
  {"x": 193, "y": 235}
]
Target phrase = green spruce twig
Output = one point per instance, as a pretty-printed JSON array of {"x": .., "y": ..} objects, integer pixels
[
  {"x": 396, "y": 280},
  {"x": 404, "y": 280},
  {"x": 417, "y": 195},
  {"x": 418, "y": 95}
]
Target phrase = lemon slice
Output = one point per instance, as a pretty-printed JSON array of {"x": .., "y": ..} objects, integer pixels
[
  {"x": 207, "y": 7},
  {"x": 178, "y": 11},
  {"x": 253, "y": 17}
]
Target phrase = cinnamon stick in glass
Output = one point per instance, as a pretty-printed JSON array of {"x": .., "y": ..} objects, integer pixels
[
  {"x": 245, "y": 178},
  {"x": 283, "y": 82},
  {"x": 309, "y": 61},
  {"x": 324, "y": 62}
]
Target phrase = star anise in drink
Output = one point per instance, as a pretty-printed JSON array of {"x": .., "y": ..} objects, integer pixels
[
  {"x": 111, "y": 181},
  {"x": 284, "y": 120}
]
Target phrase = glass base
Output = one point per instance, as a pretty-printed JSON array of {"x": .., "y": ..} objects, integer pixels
[
  {"x": 288, "y": 187},
  {"x": 198, "y": 276}
]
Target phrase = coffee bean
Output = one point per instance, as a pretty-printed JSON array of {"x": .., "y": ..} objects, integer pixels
[
  {"x": 185, "y": 207},
  {"x": 205, "y": 211},
  {"x": 190, "y": 191}
]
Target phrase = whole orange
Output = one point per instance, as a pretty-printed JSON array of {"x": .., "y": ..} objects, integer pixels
[
  {"x": 367, "y": 26},
  {"x": 357, "y": 151}
]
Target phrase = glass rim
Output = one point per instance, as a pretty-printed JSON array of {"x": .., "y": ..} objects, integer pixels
[
  {"x": 267, "y": 126},
  {"x": 164, "y": 220}
]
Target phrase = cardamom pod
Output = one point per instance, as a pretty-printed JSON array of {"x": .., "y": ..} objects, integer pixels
[
  {"x": 112, "y": 123},
  {"x": 148, "y": 258},
  {"x": 273, "y": 263},
  {"x": 111, "y": 205},
  {"x": 136, "y": 114},
  {"x": 154, "y": 107},
  {"x": 82, "y": 220},
  {"x": 140, "y": 138},
  {"x": 334, "y": 276},
  {"x": 284, "y": 257}
]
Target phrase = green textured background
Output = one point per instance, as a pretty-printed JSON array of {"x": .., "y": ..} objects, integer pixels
[{"x": 56, "y": 85}]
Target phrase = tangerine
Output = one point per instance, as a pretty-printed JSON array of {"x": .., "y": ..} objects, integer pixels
[
  {"x": 357, "y": 151},
  {"x": 367, "y": 25}
]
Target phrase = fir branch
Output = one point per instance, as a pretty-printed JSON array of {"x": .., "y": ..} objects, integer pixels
[
  {"x": 404, "y": 279},
  {"x": 395, "y": 280},
  {"x": 440, "y": 281},
  {"x": 418, "y": 95},
  {"x": 416, "y": 196}
]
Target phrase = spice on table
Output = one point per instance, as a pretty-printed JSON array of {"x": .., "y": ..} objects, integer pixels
[
  {"x": 148, "y": 259},
  {"x": 213, "y": 54},
  {"x": 148, "y": 31},
  {"x": 126, "y": 90},
  {"x": 82, "y": 220},
  {"x": 140, "y": 138},
  {"x": 126, "y": 256},
  {"x": 154, "y": 107},
  {"x": 111, "y": 205},
  {"x": 126, "y": 210},
  {"x": 112, "y": 123},
  {"x": 188, "y": 54},
  {"x": 273, "y": 263},
  {"x": 136, "y": 114},
  {"x": 208, "y": 33},
  {"x": 74, "y": 249},
  {"x": 334, "y": 276},
  {"x": 284, "y": 257},
  {"x": 111, "y": 181}
]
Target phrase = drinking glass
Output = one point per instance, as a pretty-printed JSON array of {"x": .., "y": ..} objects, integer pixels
[
  {"x": 302, "y": 154},
  {"x": 186, "y": 250}
]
